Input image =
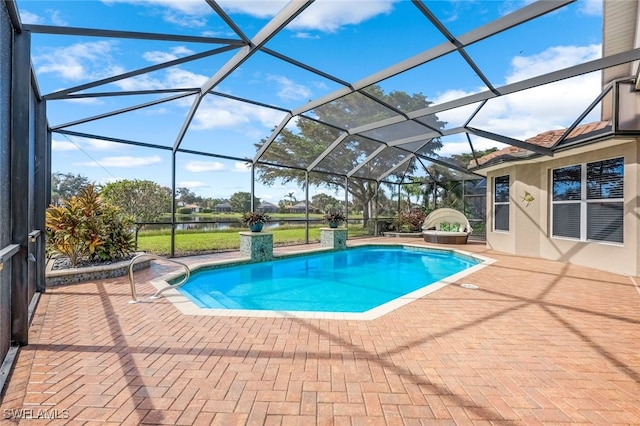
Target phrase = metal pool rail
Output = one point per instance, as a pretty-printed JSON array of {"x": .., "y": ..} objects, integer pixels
[{"x": 134, "y": 297}]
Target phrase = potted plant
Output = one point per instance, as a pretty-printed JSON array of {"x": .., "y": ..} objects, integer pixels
[
  {"x": 334, "y": 219},
  {"x": 255, "y": 220}
]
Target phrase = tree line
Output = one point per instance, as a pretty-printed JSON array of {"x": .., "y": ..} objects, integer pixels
[{"x": 299, "y": 148}]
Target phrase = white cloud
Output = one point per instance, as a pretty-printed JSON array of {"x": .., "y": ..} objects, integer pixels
[
  {"x": 216, "y": 113},
  {"x": 123, "y": 161},
  {"x": 527, "y": 113},
  {"x": 323, "y": 15},
  {"x": 30, "y": 18},
  {"x": 591, "y": 7},
  {"x": 241, "y": 167},
  {"x": 190, "y": 21},
  {"x": 80, "y": 61},
  {"x": 329, "y": 16},
  {"x": 186, "y": 13},
  {"x": 60, "y": 146},
  {"x": 183, "y": 78},
  {"x": 84, "y": 101},
  {"x": 141, "y": 82},
  {"x": 479, "y": 144},
  {"x": 204, "y": 166},
  {"x": 101, "y": 145},
  {"x": 289, "y": 90},
  {"x": 158, "y": 56},
  {"x": 191, "y": 184},
  {"x": 172, "y": 77},
  {"x": 258, "y": 9},
  {"x": 450, "y": 148},
  {"x": 306, "y": 35},
  {"x": 552, "y": 59},
  {"x": 54, "y": 16},
  {"x": 190, "y": 7},
  {"x": 57, "y": 19},
  {"x": 87, "y": 144}
]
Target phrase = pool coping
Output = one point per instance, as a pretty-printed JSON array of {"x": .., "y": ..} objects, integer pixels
[{"x": 187, "y": 307}]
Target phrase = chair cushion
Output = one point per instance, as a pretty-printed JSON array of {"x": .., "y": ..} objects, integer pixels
[{"x": 435, "y": 232}]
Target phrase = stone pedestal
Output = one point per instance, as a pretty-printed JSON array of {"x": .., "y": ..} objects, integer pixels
[
  {"x": 256, "y": 245},
  {"x": 335, "y": 238}
]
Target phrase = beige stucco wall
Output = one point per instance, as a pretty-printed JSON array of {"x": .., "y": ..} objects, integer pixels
[{"x": 529, "y": 230}]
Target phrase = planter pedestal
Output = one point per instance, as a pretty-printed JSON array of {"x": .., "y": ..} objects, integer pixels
[
  {"x": 256, "y": 245},
  {"x": 334, "y": 238}
]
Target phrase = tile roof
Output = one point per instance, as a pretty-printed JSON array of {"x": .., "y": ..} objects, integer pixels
[{"x": 546, "y": 139}]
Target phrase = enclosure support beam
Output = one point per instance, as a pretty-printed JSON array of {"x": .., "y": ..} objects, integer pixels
[
  {"x": 346, "y": 201},
  {"x": 173, "y": 205},
  {"x": 19, "y": 184},
  {"x": 252, "y": 206},
  {"x": 306, "y": 197},
  {"x": 375, "y": 210},
  {"x": 42, "y": 192}
]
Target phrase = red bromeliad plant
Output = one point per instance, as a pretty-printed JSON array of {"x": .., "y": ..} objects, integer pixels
[
  {"x": 83, "y": 227},
  {"x": 335, "y": 217}
]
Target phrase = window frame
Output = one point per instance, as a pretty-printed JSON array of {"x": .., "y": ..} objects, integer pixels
[
  {"x": 501, "y": 203},
  {"x": 583, "y": 202}
]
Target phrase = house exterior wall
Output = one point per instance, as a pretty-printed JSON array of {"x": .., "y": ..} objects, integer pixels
[{"x": 529, "y": 226}]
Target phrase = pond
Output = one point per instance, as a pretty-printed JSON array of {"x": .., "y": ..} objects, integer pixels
[{"x": 209, "y": 225}]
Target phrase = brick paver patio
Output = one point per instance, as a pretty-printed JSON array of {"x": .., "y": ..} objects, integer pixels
[{"x": 538, "y": 342}]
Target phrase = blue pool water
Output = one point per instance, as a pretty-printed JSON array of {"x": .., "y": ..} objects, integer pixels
[{"x": 352, "y": 280}]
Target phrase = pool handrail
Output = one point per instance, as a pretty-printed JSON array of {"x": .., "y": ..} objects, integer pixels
[{"x": 134, "y": 297}]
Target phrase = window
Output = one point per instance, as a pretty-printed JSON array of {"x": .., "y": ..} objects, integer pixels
[
  {"x": 501, "y": 203},
  {"x": 588, "y": 202}
]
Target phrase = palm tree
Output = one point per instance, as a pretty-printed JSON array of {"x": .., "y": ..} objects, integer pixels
[{"x": 291, "y": 198}]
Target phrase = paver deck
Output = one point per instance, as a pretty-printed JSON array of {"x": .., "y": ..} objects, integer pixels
[{"x": 538, "y": 342}]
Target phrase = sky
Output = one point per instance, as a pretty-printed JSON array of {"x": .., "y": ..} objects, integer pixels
[{"x": 350, "y": 40}]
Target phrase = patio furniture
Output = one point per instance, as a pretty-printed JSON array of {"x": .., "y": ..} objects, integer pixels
[{"x": 446, "y": 226}]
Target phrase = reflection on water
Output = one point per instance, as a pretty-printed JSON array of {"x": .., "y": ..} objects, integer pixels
[
  {"x": 220, "y": 225},
  {"x": 209, "y": 225}
]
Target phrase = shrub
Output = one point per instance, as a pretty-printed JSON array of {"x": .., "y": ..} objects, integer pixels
[
  {"x": 83, "y": 227},
  {"x": 118, "y": 238},
  {"x": 410, "y": 221},
  {"x": 185, "y": 210}
]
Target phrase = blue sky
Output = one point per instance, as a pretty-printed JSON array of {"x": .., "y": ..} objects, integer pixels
[{"x": 350, "y": 40}]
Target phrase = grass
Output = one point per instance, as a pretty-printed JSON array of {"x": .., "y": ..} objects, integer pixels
[{"x": 192, "y": 241}]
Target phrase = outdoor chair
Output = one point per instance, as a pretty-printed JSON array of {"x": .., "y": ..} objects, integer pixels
[{"x": 446, "y": 226}]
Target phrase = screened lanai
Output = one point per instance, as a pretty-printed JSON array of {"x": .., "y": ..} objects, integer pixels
[
  {"x": 357, "y": 127},
  {"x": 371, "y": 95},
  {"x": 385, "y": 140}
]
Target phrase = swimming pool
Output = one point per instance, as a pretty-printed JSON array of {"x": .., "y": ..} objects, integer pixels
[{"x": 350, "y": 282}]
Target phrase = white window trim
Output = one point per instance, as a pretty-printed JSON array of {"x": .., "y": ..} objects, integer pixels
[
  {"x": 501, "y": 203},
  {"x": 583, "y": 204}
]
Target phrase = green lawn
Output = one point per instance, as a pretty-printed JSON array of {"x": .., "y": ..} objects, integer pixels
[{"x": 196, "y": 241}]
